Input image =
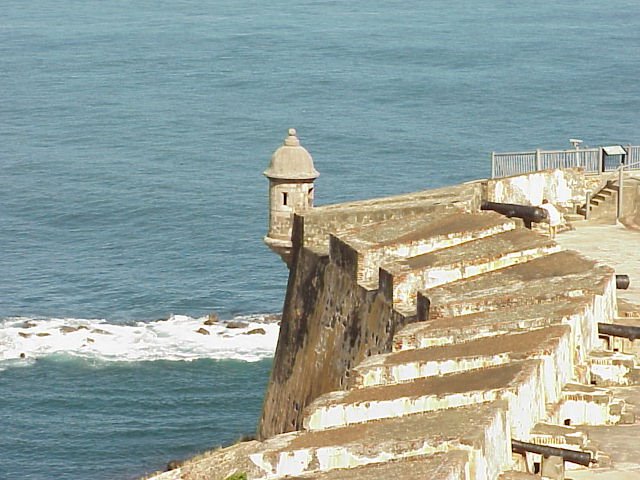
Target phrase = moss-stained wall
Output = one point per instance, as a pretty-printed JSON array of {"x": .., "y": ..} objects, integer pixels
[{"x": 329, "y": 325}]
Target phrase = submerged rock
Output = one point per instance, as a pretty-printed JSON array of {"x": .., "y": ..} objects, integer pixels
[
  {"x": 101, "y": 332},
  {"x": 272, "y": 318},
  {"x": 66, "y": 329},
  {"x": 256, "y": 331},
  {"x": 24, "y": 335},
  {"x": 173, "y": 464},
  {"x": 234, "y": 324},
  {"x": 212, "y": 319}
]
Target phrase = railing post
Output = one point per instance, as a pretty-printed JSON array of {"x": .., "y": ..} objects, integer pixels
[
  {"x": 538, "y": 160},
  {"x": 620, "y": 191},
  {"x": 601, "y": 159},
  {"x": 627, "y": 157},
  {"x": 493, "y": 164},
  {"x": 587, "y": 205}
]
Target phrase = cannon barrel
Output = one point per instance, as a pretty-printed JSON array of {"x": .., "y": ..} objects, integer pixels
[
  {"x": 573, "y": 456},
  {"x": 622, "y": 282},
  {"x": 616, "y": 330},
  {"x": 525, "y": 212}
]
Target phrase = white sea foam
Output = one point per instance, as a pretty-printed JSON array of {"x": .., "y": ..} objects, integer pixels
[{"x": 178, "y": 338}]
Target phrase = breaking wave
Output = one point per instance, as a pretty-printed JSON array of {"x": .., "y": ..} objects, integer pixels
[{"x": 247, "y": 338}]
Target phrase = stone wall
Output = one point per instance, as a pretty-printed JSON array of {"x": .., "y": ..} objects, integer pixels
[
  {"x": 471, "y": 333},
  {"x": 313, "y": 227},
  {"x": 565, "y": 187},
  {"x": 631, "y": 199},
  {"x": 329, "y": 324}
]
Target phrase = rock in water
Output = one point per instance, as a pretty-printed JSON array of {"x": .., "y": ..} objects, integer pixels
[
  {"x": 66, "y": 329},
  {"x": 173, "y": 464},
  {"x": 203, "y": 331},
  {"x": 236, "y": 325},
  {"x": 212, "y": 319},
  {"x": 256, "y": 331}
]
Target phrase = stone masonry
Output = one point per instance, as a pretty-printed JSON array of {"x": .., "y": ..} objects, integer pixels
[{"x": 420, "y": 336}]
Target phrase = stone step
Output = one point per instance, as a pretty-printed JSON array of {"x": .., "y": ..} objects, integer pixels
[
  {"x": 606, "y": 192},
  {"x": 480, "y": 430},
  {"x": 401, "y": 280},
  {"x": 561, "y": 275},
  {"x": 580, "y": 313},
  {"x": 411, "y": 364},
  {"x": 451, "y": 465},
  {"x": 601, "y": 197},
  {"x": 527, "y": 385},
  {"x": 613, "y": 368},
  {"x": 586, "y": 405},
  {"x": 412, "y": 236}
]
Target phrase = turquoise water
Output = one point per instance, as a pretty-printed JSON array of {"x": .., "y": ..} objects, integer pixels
[{"x": 132, "y": 141}]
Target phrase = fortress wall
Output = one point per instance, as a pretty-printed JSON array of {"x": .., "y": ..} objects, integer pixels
[
  {"x": 565, "y": 187},
  {"x": 319, "y": 222},
  {"x": 385, "y": 252},
  {"x": 329, "y": 322},
  {"x": 344, "y": 256},
  {"x": 329, "y": 325}
]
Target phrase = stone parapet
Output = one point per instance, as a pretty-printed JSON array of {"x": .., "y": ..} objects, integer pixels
[
  {"x": 410, "y": 237},
  {"x": 480, "y": 430},
  {"x": 566, "y": 187},
  {"x": 521, "y": 383},
  {"x": 400, "y": 281},
  {"x": 316, "y": 225},
  {"x": 562, "y": 275},
  {"x": 409, "y": 364},
  {"x": 451, "y": 465}
]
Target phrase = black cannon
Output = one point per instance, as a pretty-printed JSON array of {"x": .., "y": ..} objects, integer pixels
[
  {"x": 573, "y": 456},
  {"x": 616, "y": 330},
  {"x": 526, "y": 212},
  {"x": 622, "y": 282}
]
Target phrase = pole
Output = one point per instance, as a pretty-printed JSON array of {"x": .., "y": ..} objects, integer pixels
[
  {"x": 587, "y": 205},
  {"x": 493, "y": 164},
  {"x": 620, "y": 191}
]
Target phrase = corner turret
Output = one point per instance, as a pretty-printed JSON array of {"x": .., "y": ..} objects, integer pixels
[{"x": 291, "y": 174}]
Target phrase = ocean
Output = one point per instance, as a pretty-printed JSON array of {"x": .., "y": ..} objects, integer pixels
[{"x": 133, "y": 137}]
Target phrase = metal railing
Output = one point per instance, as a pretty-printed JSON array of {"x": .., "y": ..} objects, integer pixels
[{"x": 593, "y": 160}]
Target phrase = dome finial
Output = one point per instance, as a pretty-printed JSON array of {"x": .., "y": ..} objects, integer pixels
[{"x": 292, "y": 139}]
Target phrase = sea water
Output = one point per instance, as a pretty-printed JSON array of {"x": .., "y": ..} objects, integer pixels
[{"x": 133, "y": 136}]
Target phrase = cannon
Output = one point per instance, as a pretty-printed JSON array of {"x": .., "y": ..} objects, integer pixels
[
  {"x": 616, "y": 330},
  {"x": 573, "y": 456},
  {"x": 622, "y": 282},
  {"x": 527, "y": 213}
]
